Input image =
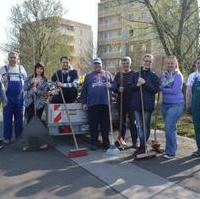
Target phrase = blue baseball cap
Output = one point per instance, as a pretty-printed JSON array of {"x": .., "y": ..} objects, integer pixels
[{"x": 97, "y": 61}]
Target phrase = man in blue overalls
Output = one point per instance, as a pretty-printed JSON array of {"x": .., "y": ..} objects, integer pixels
[
  {"x": 13, "y": 76},
  {"x": 193, "y": 102}
]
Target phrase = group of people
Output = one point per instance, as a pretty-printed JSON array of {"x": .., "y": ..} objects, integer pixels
[
  {"x": 17, "y": 90},
  {"x": 135, "y": 92}
]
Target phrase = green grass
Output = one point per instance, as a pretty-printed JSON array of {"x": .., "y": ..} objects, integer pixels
[{"x": 185, "y": 125}]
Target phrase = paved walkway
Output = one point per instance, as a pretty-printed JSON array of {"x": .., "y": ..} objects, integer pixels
[
  {"x": 155, "y": 178},
  {"x": 50, "y": 174}
]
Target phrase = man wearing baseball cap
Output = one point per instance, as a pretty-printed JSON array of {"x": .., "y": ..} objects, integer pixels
[{"x": 95, "y": 101}]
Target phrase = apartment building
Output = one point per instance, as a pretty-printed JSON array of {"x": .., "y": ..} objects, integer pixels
[
  {"x": 82, "y": 41},
  {"x": 124, "y": 28}
]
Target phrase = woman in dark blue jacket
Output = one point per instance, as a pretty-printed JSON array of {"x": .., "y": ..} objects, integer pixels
[{"x": 149, "y": 82}]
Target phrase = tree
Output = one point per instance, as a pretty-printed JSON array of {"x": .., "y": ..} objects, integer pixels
[
  {"x": 35, "y": 33},
  {"x": 176, "y": 23}
]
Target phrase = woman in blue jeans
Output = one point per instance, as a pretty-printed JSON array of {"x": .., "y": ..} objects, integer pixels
[{"x": 173, "y": 103}]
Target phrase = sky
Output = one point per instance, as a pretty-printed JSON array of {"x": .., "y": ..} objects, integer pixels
[{"x": 83, "y": 11}]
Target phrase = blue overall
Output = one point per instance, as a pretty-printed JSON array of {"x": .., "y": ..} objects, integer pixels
[
  {"x": 14, "y": 107},
  {"x": 196, "y": 110}
]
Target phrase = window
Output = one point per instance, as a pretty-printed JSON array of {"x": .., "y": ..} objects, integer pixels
[
  {"x": 131, "y": 32},
  {"x": 130, "y": 17}
]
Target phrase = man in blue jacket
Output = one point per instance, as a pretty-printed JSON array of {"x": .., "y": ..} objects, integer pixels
[
  {"x": 147, "y": 83},
  {"x": 95, "y": 100}
]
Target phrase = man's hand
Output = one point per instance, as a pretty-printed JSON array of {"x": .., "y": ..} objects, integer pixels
[
  {"x": 4, "y": 78},
  {"x": 59, "y": 84},
  {"x": 107, "y": 84},
  {"x": 121, "y": 89},
  {"x": 85, "y": 107},
  {"x": 141, "y": 81}
]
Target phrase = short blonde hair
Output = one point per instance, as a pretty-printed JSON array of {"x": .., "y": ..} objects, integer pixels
[
  {"x": 148, "y": 55},
  {"x": 175, "y": 59}
]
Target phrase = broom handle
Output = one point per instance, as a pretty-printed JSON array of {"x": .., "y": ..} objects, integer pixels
[
  {"x": 156, "y": 118},
  {"x": 157, "y": 108},
  {"x": 121, "y": 104},
  {"x": 109, "y": 108},
  {"x": 34, "y": 97},
  {"x": 143, "y": 115},
  {"x": 68, "y": 117}
]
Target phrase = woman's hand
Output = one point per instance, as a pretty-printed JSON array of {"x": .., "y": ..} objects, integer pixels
[{"x": 35, "y": 89}]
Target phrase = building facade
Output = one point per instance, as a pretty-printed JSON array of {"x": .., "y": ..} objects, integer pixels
[
  {"x": 125, "y": 28},
  {"x": 81, "y": 42}
]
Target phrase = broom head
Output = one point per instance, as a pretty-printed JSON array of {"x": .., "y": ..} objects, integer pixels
[
  {"x": 145, "y": 156},
  {"x": 75, "y": 153}
]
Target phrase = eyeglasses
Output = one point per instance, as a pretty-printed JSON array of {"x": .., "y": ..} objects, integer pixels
[{"x": 147, "y": 61}]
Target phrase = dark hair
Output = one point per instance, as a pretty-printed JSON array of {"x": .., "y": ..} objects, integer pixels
[
  {"x": 64, "y": 57},
  {"x": 39, "y": 65},
  {"x": 194, "y": 62}
]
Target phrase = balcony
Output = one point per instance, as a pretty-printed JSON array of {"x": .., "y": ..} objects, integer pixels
[
  {"x": 109, "y": 41},
  {"x": 107, "y": 27},
  {"x": 107, "y": 13}
]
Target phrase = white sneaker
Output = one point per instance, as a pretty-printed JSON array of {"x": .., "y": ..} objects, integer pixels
[{"x": 166, "y": 156}]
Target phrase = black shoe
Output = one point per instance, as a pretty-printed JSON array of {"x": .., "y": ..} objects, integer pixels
[
  {"x": 93, "y": 147},
  {"x": 140, "y": 150},
  {"x": 134, "y": 146}
]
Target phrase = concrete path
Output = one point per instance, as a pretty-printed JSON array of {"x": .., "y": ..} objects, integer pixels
[
  {"x": 51, "y": 175},
  {"x": 155, "y": 178}
]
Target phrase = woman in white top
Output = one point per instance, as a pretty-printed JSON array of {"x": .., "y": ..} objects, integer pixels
[{"x": 193, "y": 102}]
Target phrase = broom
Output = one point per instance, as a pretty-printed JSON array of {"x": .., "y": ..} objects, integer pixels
[
  {"x": 148, "y": 154},
  {"x": 154, "y": 143},
  {"x": 120, "y": 140},
  {"x": 77, "y": 152},
  {"x": 112, "y": 150}
]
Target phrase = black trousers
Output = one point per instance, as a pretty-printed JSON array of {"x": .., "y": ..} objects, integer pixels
[
  {"x": 98, "y": 115},
  {"x": 127, "y": 111},
  {"x": 29, "y": 112}
]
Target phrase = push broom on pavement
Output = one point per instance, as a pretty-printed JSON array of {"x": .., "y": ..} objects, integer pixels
[
  {"x": 156, "y": 146},
  {"x": 77, "y": 152},
  {"x": 147, "y": 154},
  {"x": 120, "y": 140},
  {"x": 112, "y": 150}
]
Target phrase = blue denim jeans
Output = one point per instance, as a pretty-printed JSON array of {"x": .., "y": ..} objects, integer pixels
[
  {"x": 139, "y": 125},
  {"x": 171, "y": 114}
]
